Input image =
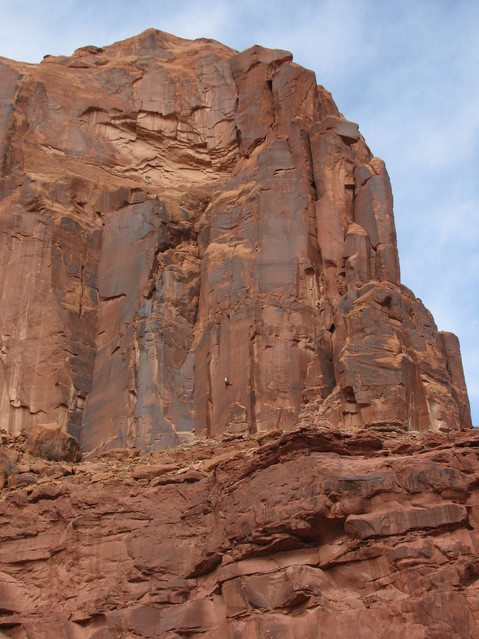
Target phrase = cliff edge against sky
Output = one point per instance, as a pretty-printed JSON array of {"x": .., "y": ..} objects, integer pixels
[{"x": 173, "y": 213}]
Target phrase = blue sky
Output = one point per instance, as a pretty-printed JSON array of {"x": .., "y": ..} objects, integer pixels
[{"x": 406, "y": 71}]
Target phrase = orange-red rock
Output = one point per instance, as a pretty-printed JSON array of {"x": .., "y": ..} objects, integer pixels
[
  {"x": 173, "y": 212},
  {"x": 315, "y": 534},
  {"x": 50, "y": 442}
]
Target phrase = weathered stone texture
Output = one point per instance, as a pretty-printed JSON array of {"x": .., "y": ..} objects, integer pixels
[
  {"x": 312, "y": 533},
  {"x": 173, "y": 212}
]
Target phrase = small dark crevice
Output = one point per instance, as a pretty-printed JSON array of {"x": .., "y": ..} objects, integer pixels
[
  {"x": 386, "y": 301},
  {"x": 92, "y": 109},
  {"x": 8, "y": 624},
  {"x": 206, "y": 565},
  {"x": 84, "y": 623},
  {"x": 110, "y": 298},
  {"x": 307, "y": 146},
  {"x": 239, "y": 139},
  {"x": 82, "y": 287},
  {"x": 254, "y": 144}
]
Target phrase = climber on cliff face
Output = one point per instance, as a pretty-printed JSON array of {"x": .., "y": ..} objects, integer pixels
[{"x": 227, "y": 382}]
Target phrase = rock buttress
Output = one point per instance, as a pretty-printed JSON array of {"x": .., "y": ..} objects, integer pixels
[{"x": 173, "y": 212}]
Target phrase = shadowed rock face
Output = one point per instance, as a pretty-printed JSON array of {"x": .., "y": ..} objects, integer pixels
[{"x": 173, "y": 212}]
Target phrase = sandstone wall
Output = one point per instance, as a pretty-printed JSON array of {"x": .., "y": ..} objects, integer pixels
[
  {"x": 313, "y": 534},
  {"x": 173, "y": 212}
]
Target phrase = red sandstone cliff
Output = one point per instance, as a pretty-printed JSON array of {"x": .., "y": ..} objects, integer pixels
[{"x": 173, "y": 212}]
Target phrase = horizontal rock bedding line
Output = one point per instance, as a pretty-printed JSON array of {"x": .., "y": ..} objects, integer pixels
[{"x": 310, "y": 533}]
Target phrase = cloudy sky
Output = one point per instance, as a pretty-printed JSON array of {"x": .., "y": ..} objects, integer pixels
[{"x": 406, "y": 70}]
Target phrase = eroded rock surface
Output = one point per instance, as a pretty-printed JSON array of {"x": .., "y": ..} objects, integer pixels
[
  {"x": 314, "y": 533},
  {"x": 173, "y": 212}
]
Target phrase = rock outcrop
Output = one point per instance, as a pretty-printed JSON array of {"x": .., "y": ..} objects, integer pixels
[
  {"x": 173, "y": 212},
  {"x": 314, "y": 533}
]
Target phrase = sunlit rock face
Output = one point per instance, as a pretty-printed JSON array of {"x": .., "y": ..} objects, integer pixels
[
  {"x": 310, "y": 534},
  {"x": 173, "y": 213}
]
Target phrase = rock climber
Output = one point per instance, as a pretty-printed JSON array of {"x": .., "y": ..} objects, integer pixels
[{"x": 227, "y": 382}]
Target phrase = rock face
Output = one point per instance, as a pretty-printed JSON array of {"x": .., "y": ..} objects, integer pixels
[
  {"x": 313, "y": 534},
  {"x": 173, "y": 212}
]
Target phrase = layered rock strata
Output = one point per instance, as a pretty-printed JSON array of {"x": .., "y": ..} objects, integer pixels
[
  {"x": 173, "y": 212},
  {"x": 312, "y": 533}
]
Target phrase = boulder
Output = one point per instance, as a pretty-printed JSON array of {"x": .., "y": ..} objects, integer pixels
[{"x": 50, "y": 442}]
